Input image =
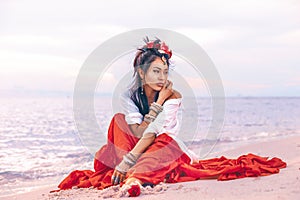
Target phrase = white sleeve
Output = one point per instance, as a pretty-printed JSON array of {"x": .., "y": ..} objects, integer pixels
[
  {"x": 157, "y": 125},
  {"x": 130, "y": 110},
  {"x": 168, "y": 121}
]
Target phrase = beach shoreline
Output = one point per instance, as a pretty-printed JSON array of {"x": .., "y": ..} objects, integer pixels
[{"x": 285, "y": 185}]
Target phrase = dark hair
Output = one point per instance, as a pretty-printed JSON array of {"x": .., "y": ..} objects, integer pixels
[{"x": 143, "y": 59}]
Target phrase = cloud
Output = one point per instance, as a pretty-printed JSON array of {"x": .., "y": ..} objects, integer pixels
[
  {"x": 293, "y": 82},
  {"x": 290, "y": 38},
  {"x": 251, "y": 42}
]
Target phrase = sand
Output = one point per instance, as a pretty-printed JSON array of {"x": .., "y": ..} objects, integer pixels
[{"x": 285, "y": 185}]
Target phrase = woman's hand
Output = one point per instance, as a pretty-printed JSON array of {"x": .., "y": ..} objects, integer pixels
[
  {"x": 165, "y": 92},
  {"x": 117, "y": 177},
  {"x": 119, "y": 174}
]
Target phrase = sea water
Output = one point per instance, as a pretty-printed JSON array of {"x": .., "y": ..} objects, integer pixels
[{"x": 40, "y": 142}]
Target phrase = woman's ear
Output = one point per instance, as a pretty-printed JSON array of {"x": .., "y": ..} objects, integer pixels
[{"x": 141, "y": 73}]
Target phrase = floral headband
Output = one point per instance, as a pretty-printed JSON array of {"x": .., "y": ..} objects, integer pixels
[{"x": 161, "y": 47}]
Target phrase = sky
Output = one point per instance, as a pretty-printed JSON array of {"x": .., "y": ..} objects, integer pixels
[{"x": 254, "y": 44}]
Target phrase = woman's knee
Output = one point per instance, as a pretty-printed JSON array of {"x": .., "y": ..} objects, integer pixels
[{"x": 119, "y": 116}]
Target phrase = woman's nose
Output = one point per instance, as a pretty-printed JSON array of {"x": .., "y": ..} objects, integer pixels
[{"x": 162, "y": 76}]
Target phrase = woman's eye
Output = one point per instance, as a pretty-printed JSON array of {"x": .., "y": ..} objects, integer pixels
[{"x": 156, "y": 71}]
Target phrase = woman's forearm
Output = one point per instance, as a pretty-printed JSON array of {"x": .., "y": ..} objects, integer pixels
[
  {"x": 138, "y": 129},
  {"x": 143, "y": 143},
  {"x": 131, "y": 158}
]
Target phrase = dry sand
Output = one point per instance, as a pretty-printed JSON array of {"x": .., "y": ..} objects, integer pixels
[{"x": 285, "y": 185}]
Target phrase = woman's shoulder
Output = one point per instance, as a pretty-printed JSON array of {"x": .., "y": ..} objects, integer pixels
[
  {"x": 125, "y": 98},
  {"x": 126, "y": 95},
  {"x": 175, "y": 95},
  {"x": 174, "y": 100}
]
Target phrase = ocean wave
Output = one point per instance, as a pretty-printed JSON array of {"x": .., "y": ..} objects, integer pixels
[{"x": 39, "y": 139}]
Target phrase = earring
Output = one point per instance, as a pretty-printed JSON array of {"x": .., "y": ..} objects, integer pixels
[{"x": 142, "y": 87}]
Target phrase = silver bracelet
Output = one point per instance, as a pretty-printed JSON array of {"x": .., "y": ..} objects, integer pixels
[
  {"x": 128, "y": 161},
  {"x": 119, "y": 169},
  {"x": 154, "y": 109},
  {"x": 149, "y": 118},
  {"x": 157, "y": 107},
  {"x": 133, "y": 157}
]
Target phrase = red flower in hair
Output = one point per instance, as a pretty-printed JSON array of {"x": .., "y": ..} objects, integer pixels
[
  {"x": 161, "y": 47},
  {"x": 134, "y": 191},
  {"x": 150, "y": 45},
  {"x": 166, "y": 49}
]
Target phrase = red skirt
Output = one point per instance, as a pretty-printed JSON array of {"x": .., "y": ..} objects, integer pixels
[{"x": 163, "y": 161}]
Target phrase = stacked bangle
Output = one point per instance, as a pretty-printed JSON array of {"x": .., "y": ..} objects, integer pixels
[
  {"x": 122, "y": 171},
  {"x": 149, "y": 118},
  {"x": 156, "y": 108},
  {"x": 129, "y": 160}
]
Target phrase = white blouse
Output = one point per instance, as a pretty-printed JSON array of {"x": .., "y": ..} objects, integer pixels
[{"x": 168, "y": 121}]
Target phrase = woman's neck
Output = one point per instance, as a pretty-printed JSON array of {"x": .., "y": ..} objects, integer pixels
[{"x": 150, "y": 93}]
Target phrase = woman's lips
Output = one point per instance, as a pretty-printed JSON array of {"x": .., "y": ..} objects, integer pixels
[{"x": 160, "y": 84}]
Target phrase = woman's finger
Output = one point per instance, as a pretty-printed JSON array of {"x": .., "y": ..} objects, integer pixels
[
  {"x": 117, "y": 177},
  {"x": 113, "y": 177},
  {"x": 167, "y": 84},
  {"x": 122, "y": 178},
  {"x": 170, "y": 84},
  {"x": 114, "y": 181}
]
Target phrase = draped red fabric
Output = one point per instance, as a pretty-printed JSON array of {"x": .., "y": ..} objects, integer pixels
[{"x": 163, "y": 161}]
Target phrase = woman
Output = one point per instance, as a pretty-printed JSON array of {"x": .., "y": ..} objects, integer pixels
[
  {"x": 142, "y": 146},
  {"x": 150, "y": 97}
]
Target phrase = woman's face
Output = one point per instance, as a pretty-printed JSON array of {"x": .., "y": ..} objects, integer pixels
[{"x": 156, "y": 75}]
